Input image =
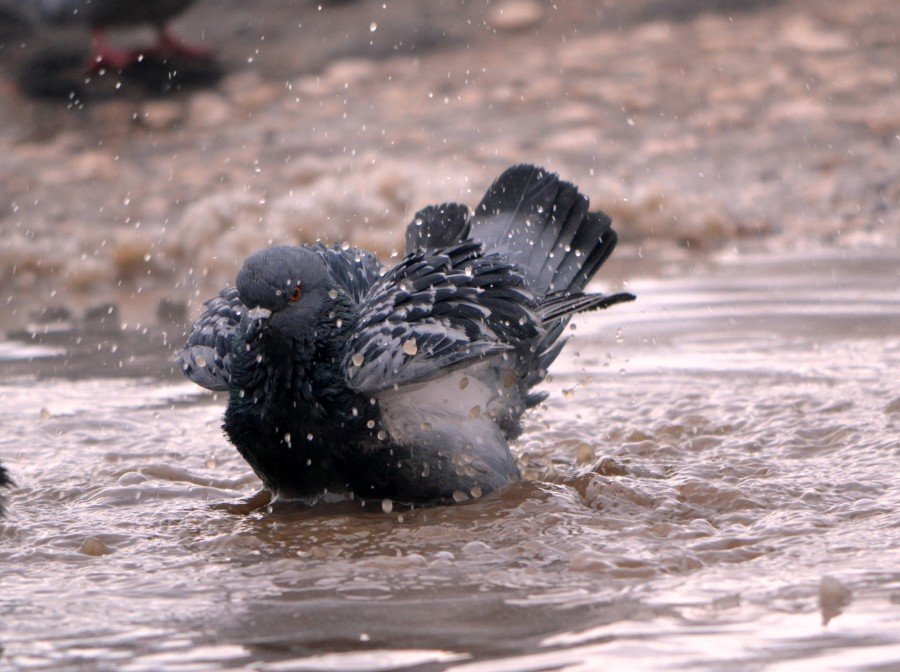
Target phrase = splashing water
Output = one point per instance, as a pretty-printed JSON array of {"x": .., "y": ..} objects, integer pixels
[{"x": 711, "y": 506}]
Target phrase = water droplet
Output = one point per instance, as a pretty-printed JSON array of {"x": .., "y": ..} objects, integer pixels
[
  {"x": 382, "y": 435},
  {"x": 309, "y": 437},
  {"x": 332, "y": 293},
  {"x": 370, "y": 424},
  {"x": 357, "y": 359},
  {"x": 287, "y": 439},
  {"x": 459, "y": 496},
  {"x": 373, "y": 27},
  {"x": 387, "y": 505},
  {"x": 619, "y": 337},
  {"x": 201, "y": 361},
  {"x": 476, "y": 492}
]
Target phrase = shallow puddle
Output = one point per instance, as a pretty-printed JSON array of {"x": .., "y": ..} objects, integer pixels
[{"x": 714, "y": 475}]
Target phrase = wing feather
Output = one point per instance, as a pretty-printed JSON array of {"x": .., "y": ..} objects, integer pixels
[
  {"x": 435, "y": 312},
  {"x": 205, "y": 358}
]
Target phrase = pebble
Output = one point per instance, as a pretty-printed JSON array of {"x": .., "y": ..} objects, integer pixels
[
  {"x": 515, "y": 15},
  {"x": 207, "y": 110},
  {"x": 94, "y": 547},
  {"x": 161, "y": 115},
  {"x": 833, "y": 597},
  {"x": 106, "y": 314},
  {"x": 171, "y": 310}
]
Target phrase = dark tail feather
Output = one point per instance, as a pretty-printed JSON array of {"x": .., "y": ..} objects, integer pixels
[
  {"x": 438, "y": 226},
  {"x": 555, "y": 312},
  {"x": 542, "y": 224},
  {"x": 563, "y": 305}
]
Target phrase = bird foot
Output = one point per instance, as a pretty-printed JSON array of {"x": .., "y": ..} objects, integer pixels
[{"x": 243, "y": 507}]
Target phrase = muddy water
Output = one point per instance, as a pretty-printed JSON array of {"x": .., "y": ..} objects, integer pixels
[{"x": 714, "y": 476}]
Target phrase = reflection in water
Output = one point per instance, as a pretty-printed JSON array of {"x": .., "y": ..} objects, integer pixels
[{"x": 706, "y": 486}]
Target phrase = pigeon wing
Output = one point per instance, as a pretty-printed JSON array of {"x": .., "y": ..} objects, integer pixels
[
  {"x": 355, "y": 270},
  {"x": 205, "y": 358},
  {"x": 434, "y": 313}
]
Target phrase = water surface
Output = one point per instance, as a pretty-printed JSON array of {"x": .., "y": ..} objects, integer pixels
[{"x": 714, "y": 475}]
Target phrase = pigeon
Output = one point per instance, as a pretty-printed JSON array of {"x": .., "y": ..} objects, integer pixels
[
  {"x": 5, "y": 482},
  {"x": 408, "y": 383},
  {"x": 100, "y": 15}
]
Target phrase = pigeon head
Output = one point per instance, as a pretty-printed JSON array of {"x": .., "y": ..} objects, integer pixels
[{"x": 286, "y": 289}]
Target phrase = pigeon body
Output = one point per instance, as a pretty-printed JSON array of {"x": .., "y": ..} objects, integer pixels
[
  {"x": 406, "y": 383},
  {"x": 5, "y": 482}
]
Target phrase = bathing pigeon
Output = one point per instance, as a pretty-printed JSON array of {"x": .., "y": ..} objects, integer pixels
[
  {"x": 100, "y": 15},
  {"x": 406, "y": 383},
  {"x": 5, "y": 482}
]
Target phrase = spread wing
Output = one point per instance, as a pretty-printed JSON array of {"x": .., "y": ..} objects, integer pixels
[
  {"x": 205, "y": 358},
  {"x": 436, "y": 312}
]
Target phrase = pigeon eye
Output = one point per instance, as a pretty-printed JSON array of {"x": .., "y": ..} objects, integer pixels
[{"x": 296, "y": 294}]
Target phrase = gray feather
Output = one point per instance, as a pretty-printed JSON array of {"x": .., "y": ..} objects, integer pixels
[
  {"x": 205, "y": 358},
  {"x": 434, "y": 313}
]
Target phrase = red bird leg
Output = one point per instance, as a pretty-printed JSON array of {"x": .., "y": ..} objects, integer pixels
[
  {"x": 104, "y": 55},
  {"x": 171, "y": 45}
]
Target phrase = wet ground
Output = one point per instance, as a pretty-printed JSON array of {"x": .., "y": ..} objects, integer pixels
[{"x": 712, "y": 480}]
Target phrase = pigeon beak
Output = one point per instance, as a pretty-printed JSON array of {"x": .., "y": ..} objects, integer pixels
[{"x": 259, "y": 320}]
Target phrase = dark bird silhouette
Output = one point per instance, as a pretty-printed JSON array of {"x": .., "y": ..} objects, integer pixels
[
  {"x": 5, "y": 482},
  {"x": 405, "y": 383},
  {"x": 101, "y": 15}
]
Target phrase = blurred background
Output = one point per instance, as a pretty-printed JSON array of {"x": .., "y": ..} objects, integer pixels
[{"x": 699, "y": 125}]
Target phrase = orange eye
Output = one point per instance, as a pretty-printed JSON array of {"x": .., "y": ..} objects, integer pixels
[{"x": 296, "y": 294}]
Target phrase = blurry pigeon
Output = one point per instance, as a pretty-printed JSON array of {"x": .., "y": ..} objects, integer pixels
[
  {"x": 5, "y": 482},
  {"x": 102, "y": 14},
  {"x": 407, "y": 383}
]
